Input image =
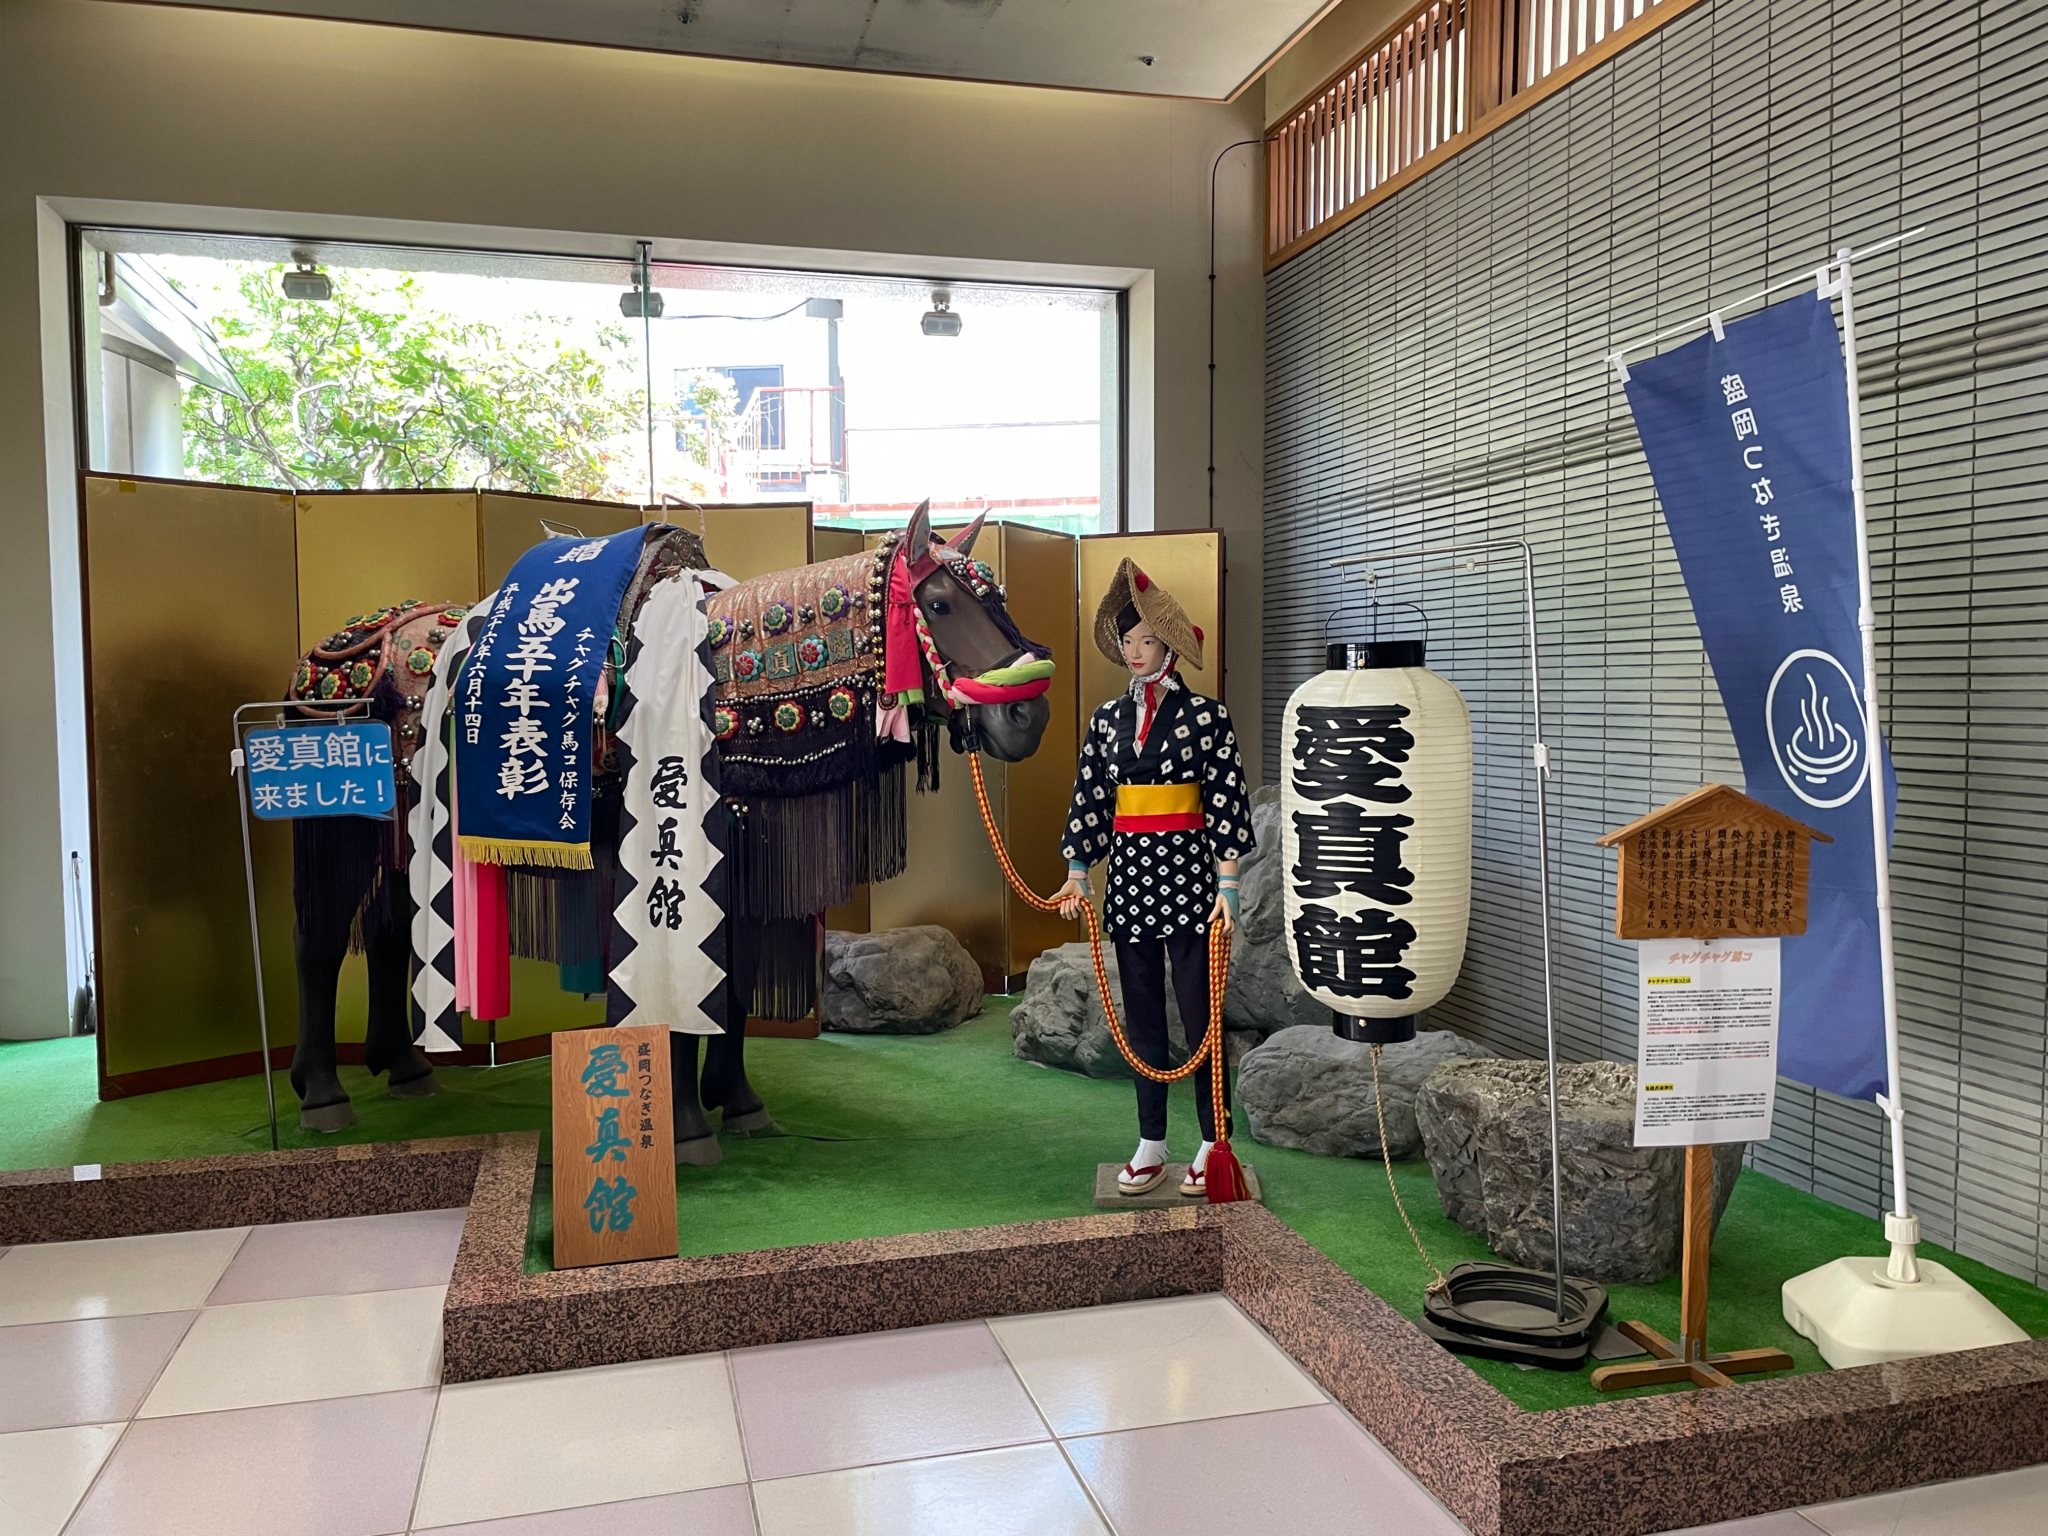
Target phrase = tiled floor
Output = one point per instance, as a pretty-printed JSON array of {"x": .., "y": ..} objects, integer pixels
[{"x": 284, "y": 1382}]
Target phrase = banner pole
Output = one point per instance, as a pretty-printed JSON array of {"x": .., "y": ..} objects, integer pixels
[{"x": 1900, "y": 1228}]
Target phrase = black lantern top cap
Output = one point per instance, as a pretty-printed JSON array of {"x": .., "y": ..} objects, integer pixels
[{"x": 1364, "y": 655}]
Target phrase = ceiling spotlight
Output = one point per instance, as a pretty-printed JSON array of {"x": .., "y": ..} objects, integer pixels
[
  {"x": 640, "y": 304},
  {"x": 307, "y": 281},
  {"x": 1145, "y": 59},
  {"x": 940, "y": 320}
]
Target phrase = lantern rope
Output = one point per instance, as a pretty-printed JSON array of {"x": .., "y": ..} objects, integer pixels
[
  {"x": 1223, "y": 1178},
  {"x": 1442, "y": 1281}
]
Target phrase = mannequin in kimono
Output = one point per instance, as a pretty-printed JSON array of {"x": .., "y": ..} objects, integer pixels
[{"x": 1160, "y": 792}]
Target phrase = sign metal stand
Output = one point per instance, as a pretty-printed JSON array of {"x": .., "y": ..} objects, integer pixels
[{"x": 350, "y": 712}]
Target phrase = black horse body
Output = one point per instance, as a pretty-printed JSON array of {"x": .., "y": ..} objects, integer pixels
[{"x": 798, "y": 842}]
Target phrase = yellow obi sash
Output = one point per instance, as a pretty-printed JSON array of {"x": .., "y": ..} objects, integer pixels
[{"x": 1159, "y": 808}]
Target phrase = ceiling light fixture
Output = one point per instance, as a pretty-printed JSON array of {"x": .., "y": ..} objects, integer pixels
[
  {"x": 940, "y": 320},
  {"x": 307, "y": 281},
  {"x": 638, "y": 303}
]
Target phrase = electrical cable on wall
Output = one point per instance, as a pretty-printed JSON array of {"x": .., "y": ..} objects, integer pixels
[{"x": 1213, "y": 169}]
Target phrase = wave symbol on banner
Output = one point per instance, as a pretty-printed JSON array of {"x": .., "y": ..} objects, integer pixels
[{"x": 1815, "y": 723}]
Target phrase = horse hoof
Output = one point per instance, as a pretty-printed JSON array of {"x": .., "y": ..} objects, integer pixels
[
  {"x": 754, "y": 1122},
  {"x": 328, "y": 1117},
  {"x": 421, "y": 1087},
  {"x": 703, "y": 1151}
]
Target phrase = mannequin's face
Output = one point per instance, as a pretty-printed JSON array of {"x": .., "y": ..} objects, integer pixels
[{"x": 1144, "y": 651}]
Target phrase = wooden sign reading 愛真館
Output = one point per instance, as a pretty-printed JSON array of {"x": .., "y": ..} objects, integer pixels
[
  {"x": 1713, "y": 864},
  {"x": 615, "y": 1165}
]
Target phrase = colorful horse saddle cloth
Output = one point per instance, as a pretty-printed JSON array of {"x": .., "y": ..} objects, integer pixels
[{"x": 385, "y": 656}]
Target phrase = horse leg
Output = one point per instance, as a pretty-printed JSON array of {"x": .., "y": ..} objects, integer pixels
[
  {"x": 323, "y": 1102},
  {"x": 725, "y": 1058},
  {"x": 694, "y": 1141},
  {"x": 387, "y": 1040}
]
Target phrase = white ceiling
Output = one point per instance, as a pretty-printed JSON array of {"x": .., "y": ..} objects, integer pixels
[{"x": 1200, "y": 48}]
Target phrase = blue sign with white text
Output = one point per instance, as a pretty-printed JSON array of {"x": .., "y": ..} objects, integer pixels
[
  {"x": 320, "y": 770},
  {"x": 1748, "y": 442}
]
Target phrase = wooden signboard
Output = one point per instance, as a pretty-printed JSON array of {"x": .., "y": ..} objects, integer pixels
[
  {"x": 615, "y": 1163},
  {"x": 1713, "y": 864}
]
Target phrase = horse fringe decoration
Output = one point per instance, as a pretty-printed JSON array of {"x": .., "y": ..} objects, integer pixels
[{"x": 1223, "y": 1178}]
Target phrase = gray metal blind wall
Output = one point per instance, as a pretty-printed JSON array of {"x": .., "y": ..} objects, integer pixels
[{"x": 1433, "y": 375}]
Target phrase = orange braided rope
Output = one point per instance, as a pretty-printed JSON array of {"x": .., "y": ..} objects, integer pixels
[{"x": 1222, "y": 1176}]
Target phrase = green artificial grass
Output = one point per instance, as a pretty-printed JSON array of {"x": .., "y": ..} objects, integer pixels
[{"x": 895, "y": 1134}]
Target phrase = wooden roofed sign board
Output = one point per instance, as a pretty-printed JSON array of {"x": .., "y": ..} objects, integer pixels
[
  {"x": 1708, "y": 885},
  {"x": 1712, "y": 864}
]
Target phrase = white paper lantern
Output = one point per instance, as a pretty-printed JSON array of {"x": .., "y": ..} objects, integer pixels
[{"x": 1376, "y": 834}]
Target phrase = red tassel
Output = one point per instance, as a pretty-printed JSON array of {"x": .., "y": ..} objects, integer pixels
[{"x": 1222, "y": 1177}]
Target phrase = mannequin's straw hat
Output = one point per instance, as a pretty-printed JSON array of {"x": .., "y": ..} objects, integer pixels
[{"x": 1131, "y": 586}]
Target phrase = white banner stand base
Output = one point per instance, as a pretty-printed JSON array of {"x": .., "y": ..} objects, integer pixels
[{"x": 1868, "y": 1311}]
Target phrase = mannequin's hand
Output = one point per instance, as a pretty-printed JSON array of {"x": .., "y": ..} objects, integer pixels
[
  {"x": 1072, "y": 897},
  {"x": 1220, "y": 913}
]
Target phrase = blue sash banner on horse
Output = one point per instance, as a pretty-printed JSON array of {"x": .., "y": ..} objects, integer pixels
[
  {"x": 523, "y": 702},
  {"x": 1747, "y": 435}
]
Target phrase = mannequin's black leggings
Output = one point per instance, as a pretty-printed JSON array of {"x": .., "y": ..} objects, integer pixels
[{"x": 1141, "y": 964}]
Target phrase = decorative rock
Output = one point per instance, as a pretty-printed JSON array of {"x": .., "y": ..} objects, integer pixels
[
  {"x": 1307, "y": 1088},
  {"x": 1059, "y": 1020},
  {"x": 901, "y": 981},
  {"x": 1486, "y": 1128},
  {"x": 1264, "y": 993}
]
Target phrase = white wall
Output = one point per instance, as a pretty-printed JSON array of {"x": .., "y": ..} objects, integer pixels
[{"x": 326, "y": 128}]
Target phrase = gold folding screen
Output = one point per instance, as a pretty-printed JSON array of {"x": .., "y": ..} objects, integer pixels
[
  {"x": 200, "y": 598},
  {"x": 191, "y": 608}
]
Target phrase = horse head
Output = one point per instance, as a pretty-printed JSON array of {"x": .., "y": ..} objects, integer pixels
[{"x": 997, "y": 677}]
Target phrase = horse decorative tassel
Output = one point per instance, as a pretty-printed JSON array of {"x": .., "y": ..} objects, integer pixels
[{"x": 815, "y": 689}]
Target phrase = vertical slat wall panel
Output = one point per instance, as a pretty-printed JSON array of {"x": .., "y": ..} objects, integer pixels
[{"x": 1434, "y": 374}]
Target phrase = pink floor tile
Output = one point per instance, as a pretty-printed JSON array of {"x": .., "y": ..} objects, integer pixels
[
  {"x": 93, "y": 1370},
  {"x": 332, "y": 1258},
  {"x": 344, "y": 1466},
  {"x": 830, "y": 1403},
  {"x": 725, "y": 1511},
  {"x": 1305, "y": 1471}
]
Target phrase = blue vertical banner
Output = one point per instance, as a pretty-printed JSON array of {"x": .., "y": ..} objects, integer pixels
[{"x": 1748, "y": 441}]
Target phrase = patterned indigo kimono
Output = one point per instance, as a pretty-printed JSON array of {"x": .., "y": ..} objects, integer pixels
[{"x": 1164, "y": 813}]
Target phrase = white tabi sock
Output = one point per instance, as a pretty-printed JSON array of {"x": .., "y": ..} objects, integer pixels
[
  {"x": 1201, "y": 1162},
  {"x": 1150, "y": 1154}
]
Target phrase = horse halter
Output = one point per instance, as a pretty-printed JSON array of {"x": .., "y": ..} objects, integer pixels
[{"x": 999, "y": 686}]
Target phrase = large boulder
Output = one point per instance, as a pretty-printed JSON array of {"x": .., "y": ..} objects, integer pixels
[
  {"x": 1264, "y": 993},
  {"x": 1308, "y": 1088},
  {"x": 1485, "y": 1126},
  {"x": 901, "y": 981},
  {"x": 1059, "y": 1020}
]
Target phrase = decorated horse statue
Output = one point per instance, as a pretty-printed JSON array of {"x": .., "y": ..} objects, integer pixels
[{"x": 750, "y": 750}]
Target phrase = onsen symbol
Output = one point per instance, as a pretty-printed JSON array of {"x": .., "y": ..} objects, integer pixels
[{"x": 1815, "y": 721}]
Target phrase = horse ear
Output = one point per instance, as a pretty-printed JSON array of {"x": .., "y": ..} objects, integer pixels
[
  {"x": 963, "y": 541},
  {"x": 917, "y": 536}
]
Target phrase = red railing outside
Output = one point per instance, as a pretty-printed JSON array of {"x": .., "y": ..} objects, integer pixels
[{"x": 786, "y": 434}]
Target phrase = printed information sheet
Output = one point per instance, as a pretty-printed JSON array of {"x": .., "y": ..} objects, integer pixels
[{"x": 1707, "y": 1062}]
